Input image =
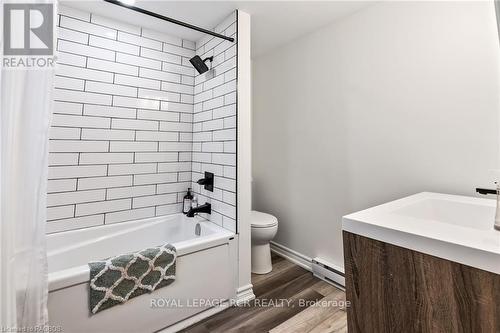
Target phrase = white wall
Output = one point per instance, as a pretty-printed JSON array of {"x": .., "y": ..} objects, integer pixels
[
  {"x": 214, "y": 125},
  {"x": 398, "y": 98},
  {"x": 121, "y": 132},
  {"x": 245, "y": 291},
  {"x": 133, "y": 125}
]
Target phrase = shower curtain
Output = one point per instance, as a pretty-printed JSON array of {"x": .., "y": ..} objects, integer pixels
[{"x": 25, "y": 109}]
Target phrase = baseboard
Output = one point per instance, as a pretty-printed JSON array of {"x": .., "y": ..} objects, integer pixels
[
  {"x": 244, "y": 294},
  {"x": 328, "y": 272},
  {"x": 322, "y": 269},
  {"x": 293, "y": 256}
]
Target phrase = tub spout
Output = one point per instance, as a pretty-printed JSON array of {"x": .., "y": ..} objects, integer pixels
[{"x": 206, "y": 208}]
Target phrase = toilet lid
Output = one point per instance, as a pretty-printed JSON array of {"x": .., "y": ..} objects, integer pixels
[{"x": 262, "y": 220}]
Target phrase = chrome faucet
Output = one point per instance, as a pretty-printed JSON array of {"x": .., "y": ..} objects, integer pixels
[{"x": 205, "y": 208}]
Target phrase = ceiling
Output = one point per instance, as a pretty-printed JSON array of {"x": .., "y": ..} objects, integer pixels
[{"x": 274, "y": 23}]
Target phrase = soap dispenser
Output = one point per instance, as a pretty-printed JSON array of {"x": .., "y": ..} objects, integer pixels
[
  {"x": 187, "y": 201},
  {"x": 194, "y": 202}
]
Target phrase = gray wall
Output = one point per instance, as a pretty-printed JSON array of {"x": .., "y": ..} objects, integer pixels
[{"x": 399, "y": 98}]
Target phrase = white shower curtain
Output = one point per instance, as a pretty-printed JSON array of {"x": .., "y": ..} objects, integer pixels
[{"x": 25, "y": 109}]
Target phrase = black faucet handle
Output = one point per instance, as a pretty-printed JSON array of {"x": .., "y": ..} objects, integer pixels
[{"x": 207, "y": 182}]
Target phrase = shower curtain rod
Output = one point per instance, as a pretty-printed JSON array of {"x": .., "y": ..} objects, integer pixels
[{"x": 169, "y": 19}]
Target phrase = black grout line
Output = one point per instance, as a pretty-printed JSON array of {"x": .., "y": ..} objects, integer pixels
[
  {"x": 122, "y": 31},
  {"x": 160, "y": 82},
  {"x": 122, "y": 63},
  {"x": 117, "y": 211},
  {"x": 183, "y": 97}
]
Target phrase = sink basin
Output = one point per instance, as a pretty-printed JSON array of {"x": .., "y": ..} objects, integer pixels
[
  {"x": 477, "y": 215},
  {"x": 451, "y": 227}
]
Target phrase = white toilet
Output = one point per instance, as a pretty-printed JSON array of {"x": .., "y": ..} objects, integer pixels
[{"x": 264, "y": 228}]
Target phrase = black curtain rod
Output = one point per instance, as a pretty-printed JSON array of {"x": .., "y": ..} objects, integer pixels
[{"x": 171, "y": 20}]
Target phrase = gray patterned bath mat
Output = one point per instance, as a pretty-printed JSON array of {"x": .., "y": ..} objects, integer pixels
[{"x": 117, "y": 279}]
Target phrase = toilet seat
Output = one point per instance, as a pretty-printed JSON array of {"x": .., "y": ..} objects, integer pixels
[{"x": 262, "y": 220}]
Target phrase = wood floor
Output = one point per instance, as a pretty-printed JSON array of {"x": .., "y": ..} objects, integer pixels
[{"x": 302, "y": 303}]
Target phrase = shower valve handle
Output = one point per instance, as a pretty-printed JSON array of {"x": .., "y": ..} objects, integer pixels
[{"x": 207, "y": 182}]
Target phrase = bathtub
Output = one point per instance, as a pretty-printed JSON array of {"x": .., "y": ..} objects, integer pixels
[{"x": 206, "y": 270}]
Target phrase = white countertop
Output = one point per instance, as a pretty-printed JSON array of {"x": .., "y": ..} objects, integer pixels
[{"x": 452, "y": 227}]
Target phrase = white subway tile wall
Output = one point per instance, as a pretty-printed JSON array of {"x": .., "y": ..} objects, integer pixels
[
  {"x": 122, "y": 129},
  {"x": 214, "y": 125}
]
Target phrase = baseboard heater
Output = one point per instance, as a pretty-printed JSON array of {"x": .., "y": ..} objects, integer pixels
[{"x": 328, "y": 272}]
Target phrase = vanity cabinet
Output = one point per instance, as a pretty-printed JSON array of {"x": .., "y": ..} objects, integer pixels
[{"x": 394, "y": 289}]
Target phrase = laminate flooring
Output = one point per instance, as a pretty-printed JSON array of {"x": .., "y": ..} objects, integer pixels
[{"x": 288, "y": 300}]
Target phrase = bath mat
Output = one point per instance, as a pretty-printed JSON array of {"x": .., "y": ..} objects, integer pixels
[{"x": 117, "y": 279}]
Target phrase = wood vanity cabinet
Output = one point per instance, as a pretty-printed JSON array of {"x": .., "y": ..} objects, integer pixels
[{"x": 393, "y": 289}]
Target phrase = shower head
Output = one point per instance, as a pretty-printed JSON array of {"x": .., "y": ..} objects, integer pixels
[{"x": 199, "y": 64}]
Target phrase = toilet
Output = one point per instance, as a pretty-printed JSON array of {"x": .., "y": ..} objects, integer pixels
[{"x": 264, "y": 227}]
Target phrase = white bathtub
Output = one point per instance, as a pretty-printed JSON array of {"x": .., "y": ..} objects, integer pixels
[{"x": 206, "y": 269}]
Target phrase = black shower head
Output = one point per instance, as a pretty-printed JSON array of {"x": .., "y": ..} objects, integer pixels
[{"x": 199, "y": 64}]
